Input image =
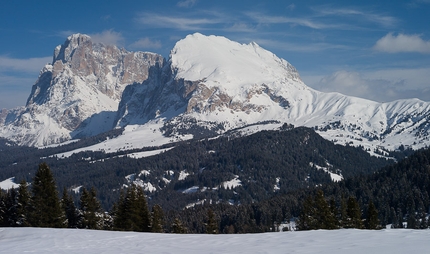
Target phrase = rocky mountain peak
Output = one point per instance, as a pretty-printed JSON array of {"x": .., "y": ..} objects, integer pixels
[
  {"x": 65, "y": 51},
  {"x": 79, "y": 92}
]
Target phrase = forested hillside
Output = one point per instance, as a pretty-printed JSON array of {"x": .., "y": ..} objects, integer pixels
[
  {"x": 232, "y": 170},
  {"x": 396, "y": 194}
]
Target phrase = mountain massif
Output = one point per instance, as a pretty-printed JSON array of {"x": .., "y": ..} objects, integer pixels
[{"x": 208, "y": 86}]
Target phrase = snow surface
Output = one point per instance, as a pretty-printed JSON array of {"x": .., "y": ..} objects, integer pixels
[
  {"x": 8, "y": 184},
  {"x": 233, "y": 183},
  {"x": 334, "y": 177},
  {"x": 133, "y": 137},
  {"x": 351, "y": 241},
  {"x": 182, "y": 175},
  {"x": 238, "y": 85}
]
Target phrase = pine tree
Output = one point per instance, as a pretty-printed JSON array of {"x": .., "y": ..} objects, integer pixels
[
  {"x": 22, "y": 205},
  {"x": 411, "y": 219},
  {"x": 119, "y": 214},
  {"x": 144, "y": 220},
  {"x": 90, "y": 210},
  {"x": 333, "y": 222},
  {"x": 157, "y": 219},
  {"x": 131, "y": 213},
  {"x": 372, "y": 221},
  {"x": 423, "y": 220},
  {"x": 70, "y": 210},
  {"x": 307, "y": 220},
  {"x": 44, "y": 209},
  {"x": 343, "y": 213},
  {"x": 354, "y": 214},
  {"x": 11, "y": 215},
  {"x": 3, "y": 209},
  {"x": 211, "y": 224},
  {"x": 178, "y": 227},
  {"x": 323, "y": 216}
]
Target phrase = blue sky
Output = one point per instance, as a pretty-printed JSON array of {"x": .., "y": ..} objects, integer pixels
[{"x": 378, "y": 50}]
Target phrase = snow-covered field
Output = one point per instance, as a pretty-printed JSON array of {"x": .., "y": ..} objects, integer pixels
[{"x": 351, "y": 241}]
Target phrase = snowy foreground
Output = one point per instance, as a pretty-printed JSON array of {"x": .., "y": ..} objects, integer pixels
[{"x": 351, "y": 241}]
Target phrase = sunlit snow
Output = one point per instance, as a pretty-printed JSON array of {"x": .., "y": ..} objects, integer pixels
[
  {"x": 8, "y": 184},
  {"x": 351, "y": 241}
]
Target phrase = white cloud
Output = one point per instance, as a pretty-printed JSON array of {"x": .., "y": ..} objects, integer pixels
[
  {"x": 291, "y": 7},
  {"x": 14, "y": 90},
  {"x": 186, "y": 3},
  {"x": 33, "y": 65},
  {"x": 382, "y": 85},
  {"x": 402, "y": 43},
  {"x": 108, "y": 37},
  {"x": 181, "y": 23},
  {"x": 241, "y": 27},
  {"x": 269, "y": 19},
  {"x": 359, "y": 15},
  {"x": 145, "y": 43}
]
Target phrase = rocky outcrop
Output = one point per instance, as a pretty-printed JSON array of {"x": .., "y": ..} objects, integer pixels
[{"x": 78, "y": 94}]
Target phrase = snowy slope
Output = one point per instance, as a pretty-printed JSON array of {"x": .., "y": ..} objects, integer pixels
[
  {"x": 351, "y": 241},
  {"x": 8, "y": 184},
  {"x": 219, "y": 84},
  {"x": 78, "y": 94},
  {"x": 209, "y": 86}
]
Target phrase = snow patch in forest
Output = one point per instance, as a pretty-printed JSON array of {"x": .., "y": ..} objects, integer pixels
[{"x": 8, "y": 184}]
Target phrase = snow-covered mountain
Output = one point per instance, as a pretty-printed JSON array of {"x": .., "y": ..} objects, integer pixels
[
  {"x": 218, "y": 84},
  {"x": 209, "y": 85},
  {"x": 78, "y": 94}
]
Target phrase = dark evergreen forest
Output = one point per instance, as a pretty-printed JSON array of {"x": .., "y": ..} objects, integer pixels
[{"x": 375, "y": 191}]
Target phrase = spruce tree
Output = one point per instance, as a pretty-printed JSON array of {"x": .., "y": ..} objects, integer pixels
[
  {"x": 178, "y": 227},
  {"x": 119, "y": 214},
  {"x": 144, "y": 220},
  {"x": 211, "y": 223},
  {"x": 307, "y": 220},
  {"x": 90, "y": 210},
  {"x": 11, "y": 215},
  {"x": 3, "y": 209},
  {"x": 22, "y": 205},
  {"x": 132, "y": 213},
  {"x": 44, "y": 209},
  {"x": 372, "y": 221},
  {"x": 70, "y": 210},
  {"x": 157, "y": 219},
  {"x": 354, "y": 214},
  {"x": 323, "y": 216},
  {"x": 343, "y": 213}
]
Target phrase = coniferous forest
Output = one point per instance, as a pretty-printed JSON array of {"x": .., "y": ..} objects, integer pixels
[{"x": 373, "y": 194}]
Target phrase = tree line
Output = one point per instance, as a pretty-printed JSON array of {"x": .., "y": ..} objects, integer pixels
[{"x": 42, "y": 207}]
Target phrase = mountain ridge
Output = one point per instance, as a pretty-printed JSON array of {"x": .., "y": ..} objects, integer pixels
[{"x": 212, "y": 83}]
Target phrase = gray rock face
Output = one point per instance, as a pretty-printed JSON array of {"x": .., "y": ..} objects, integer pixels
[{"x": 78, "y": 94}]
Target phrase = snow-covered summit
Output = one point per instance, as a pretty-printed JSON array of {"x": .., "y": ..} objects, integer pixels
[
  {"x": 213, "y": 83},
  {"x": 209, "y": 85},
  {"x": 213, "y": 59}
]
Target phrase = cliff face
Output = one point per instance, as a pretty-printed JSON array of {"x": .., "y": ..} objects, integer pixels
[
  {"x": 78, "y": 94},
  {"x": 209, "y": 84}
]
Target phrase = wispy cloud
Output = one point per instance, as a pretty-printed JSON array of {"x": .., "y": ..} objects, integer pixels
[
  {"x": 186, "y": 3},
  {"x": 358, "y": 15},
  {"x": 241, "y": 27},
  {"x": 176, "y": 22},
  {"x": 146, "y": 43},
  {"x": 108, "y": 37},
  {"x": 402, "y": 43},
  {"x": 32, "y": 65},
  {"x": 269, "y": 19},
  {"x": 383, "y": 85},
  {"x": 291, "y": 7}
]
